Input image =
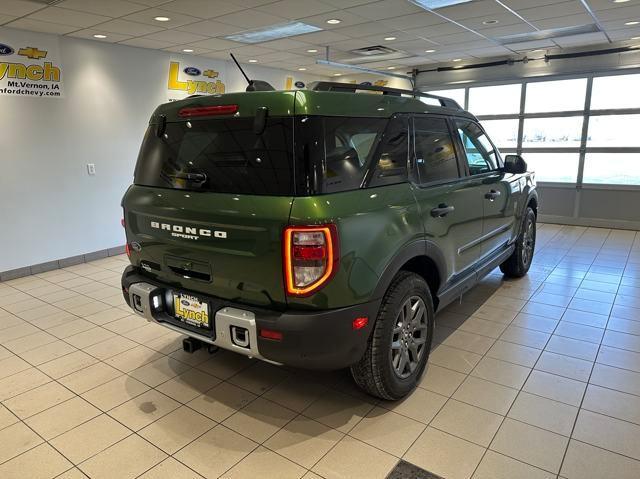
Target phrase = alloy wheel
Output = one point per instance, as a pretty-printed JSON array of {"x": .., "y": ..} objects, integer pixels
[{"x": 409, "y": 337}]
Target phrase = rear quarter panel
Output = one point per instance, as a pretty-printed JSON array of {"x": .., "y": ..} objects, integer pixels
[{"x": 373, "y": 226}]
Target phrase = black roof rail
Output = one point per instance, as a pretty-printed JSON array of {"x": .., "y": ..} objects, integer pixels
[{"x": 353, "y": 87}]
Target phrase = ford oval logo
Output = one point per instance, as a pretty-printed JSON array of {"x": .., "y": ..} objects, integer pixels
[
  {"x": 136, "y": 246},
  {"x": 299, "y": 84},
  {"x": 193, "y": 71},
  {"x": 184, "y": 302},
  {"x": 366, "y": 83},
  {"x": 6, "y": 49}
]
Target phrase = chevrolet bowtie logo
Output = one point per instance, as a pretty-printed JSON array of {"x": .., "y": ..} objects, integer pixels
[
  {"x": 32, "y": 53},
  {"x": 210, "y": 73}
]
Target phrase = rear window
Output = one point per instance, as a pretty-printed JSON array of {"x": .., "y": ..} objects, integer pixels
[{"x": 221, "y": 155}]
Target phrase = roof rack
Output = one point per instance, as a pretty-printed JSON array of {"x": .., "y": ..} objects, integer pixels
[{"x": 353, "y": 87}]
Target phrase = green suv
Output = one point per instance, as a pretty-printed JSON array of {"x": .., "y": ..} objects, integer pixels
[{"x": 321, "y": 228}]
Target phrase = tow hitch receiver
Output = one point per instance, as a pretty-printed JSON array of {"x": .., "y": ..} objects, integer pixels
[{"x": 191, "y": 345}]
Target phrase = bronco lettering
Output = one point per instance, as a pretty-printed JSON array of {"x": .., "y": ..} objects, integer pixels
[{"x": 188, "y": 232}]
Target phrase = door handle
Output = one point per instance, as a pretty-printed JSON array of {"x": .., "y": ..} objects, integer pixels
[
  {"x": 441, "y": 210},
  {"x": 492, "y": 195}
]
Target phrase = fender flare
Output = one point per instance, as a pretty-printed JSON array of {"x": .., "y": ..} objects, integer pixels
[{"x": 417, "y": 248}]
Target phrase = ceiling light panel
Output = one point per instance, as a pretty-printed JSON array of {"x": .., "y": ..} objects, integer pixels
[
  {"x": 273, "y": 32},
  {"x": 434, "y": 4}
]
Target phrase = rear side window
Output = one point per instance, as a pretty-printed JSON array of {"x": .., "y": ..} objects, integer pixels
[
  {"x": 391, "y": 166},
  {"x": 337, "y": 153},
  {"x": 221, "y": 155},
  {"x": 482, "y": 156},
  {"x": 435, "y": 154}
]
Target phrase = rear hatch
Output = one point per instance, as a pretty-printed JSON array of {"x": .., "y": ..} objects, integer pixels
[{"x": 212, "y": 194}]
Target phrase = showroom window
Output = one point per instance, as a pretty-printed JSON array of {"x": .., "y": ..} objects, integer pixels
[
  {"x": 456, "y": 94},
  {"x": 580, "y": 130},
  {"x": 559, "y": 95},
  {"x": 495, "y": 100}
]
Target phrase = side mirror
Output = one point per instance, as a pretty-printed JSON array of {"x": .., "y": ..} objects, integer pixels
[{"x": 514, "y": 164}]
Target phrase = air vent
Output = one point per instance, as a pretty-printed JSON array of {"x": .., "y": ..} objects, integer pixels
[
  {"x": 548, "y": 34},
  {"x": 375, "y": 53},
  {"x": 374, "y": 50}
]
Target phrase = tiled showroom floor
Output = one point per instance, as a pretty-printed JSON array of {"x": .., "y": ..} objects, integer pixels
[{"x": 529, "y": 378}]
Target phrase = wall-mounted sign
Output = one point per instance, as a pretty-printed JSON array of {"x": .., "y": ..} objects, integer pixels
[
  {"x": 30, "y": 65},
  {"x": 289, "y": 83},
  {"x": 188, "y": 78}
]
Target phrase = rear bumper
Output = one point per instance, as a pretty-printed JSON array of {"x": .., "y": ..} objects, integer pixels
[{"x": 323, "y": 339}]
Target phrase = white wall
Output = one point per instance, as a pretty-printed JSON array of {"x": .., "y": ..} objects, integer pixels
[{"x": 50, "y": 208}]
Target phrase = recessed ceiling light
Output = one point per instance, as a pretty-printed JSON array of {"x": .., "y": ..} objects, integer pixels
[
  {"x": 188, "y": 50},
  {"x": 635, "y": 38},
  {"x": 457, "y": 60},
  {"x": 334, "y": 21},
  {"x": 162, "y": 19},
  {"x": 253, "y": 61},
  {"x": 273, "y": 32},
  {"x": 633, "y": 22},
  {"x": 429, "y": 51},
  {"x": 302, "y": 69},
  {"x": 536, "y": 51},
  {"x": 389, "y": 39},
  {"x": 620, "y": 1},
  {"x": 490, "y": 22},
  {"x": 337, "y": 74},
  {"x": 391, "y": 68},
  {"x": 99, "y": 35},
  {"x": 313, "y": 50}
]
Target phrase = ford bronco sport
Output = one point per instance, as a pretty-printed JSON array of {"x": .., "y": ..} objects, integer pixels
[{"x": 321, "y": 228}]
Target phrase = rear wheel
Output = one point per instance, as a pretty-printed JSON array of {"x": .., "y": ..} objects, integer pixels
[
  {"x": 519, "y": 262},
  {"x": 400, "y": 343}
]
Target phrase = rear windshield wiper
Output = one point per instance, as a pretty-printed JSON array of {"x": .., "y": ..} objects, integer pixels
[{"x": 192, "y": 177}]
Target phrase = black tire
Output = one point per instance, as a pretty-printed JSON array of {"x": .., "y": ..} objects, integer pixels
[
  {"x": 517, "y": 265},
  {"x": 376, "y": 373}
]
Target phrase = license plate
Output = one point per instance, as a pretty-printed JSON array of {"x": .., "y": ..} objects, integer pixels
[{"x": 191, "y": 310}]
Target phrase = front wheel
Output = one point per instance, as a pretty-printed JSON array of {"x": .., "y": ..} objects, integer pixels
[
  {"x": 519, "y": 262},
  {"x": 400, "y": 343}
]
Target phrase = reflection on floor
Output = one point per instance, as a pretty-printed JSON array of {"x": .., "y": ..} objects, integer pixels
[{"x": 533, "y": 378}]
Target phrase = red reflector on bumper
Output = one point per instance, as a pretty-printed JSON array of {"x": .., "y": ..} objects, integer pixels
[
  {"x": 360, "y": 323},
  {"x": 268, "y": 334}
]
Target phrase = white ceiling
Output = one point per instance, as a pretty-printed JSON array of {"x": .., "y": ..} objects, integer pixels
[{"x": 455, "y": 32}]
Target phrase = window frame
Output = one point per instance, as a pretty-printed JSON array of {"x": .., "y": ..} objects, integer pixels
[{"x": 414, "y": 176}]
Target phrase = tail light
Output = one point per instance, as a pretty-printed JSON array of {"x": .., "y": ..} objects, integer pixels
[
  {"x": 311, "y": 256},
  {"x": 127, "y": 249}
]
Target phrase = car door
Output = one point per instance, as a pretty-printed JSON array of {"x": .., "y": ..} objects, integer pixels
[
  {"x": 499, "y": 195},
  {"x": 450, "y": 206}
]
